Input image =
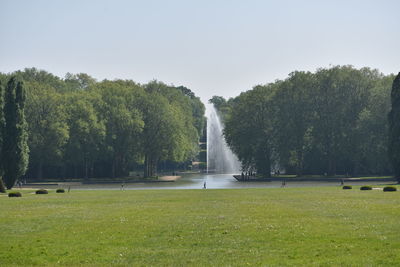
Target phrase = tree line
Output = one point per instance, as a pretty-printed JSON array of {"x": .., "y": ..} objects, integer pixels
[
  {"x": 79, "y": 127},
  {"x": 394, "y": 128},
  {"x": 330, "y": 122}
]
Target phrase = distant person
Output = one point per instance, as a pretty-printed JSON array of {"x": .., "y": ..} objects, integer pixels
[
  {"x": 283, "y": 183},
  {"x": 205, "y": 185}
]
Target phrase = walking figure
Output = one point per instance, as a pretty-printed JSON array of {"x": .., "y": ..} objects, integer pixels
[
  {"x": 204, "y": 185},
  {"x": 283, "y": 183}
]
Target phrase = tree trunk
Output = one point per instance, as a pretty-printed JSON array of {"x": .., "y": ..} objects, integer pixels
[
  {"x": 146, "y": 167},
  {"x": 299, "y": 165},
  {"x": 40, "y": 169},
  {"x": 150, "y": 166},
  {"x": 263, "y": 161},
  {"x": 2, "y": 186},
  {"x": 85, "y": 163},
  {"x": 154, "y": 168},
  {"x": 331, "y": 166},
  {"x": 113, "y": 169},
  {"x": 91, "y": 169}
]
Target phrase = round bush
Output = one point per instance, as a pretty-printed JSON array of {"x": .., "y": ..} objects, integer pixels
[
  {"x": 366, "y": 187},
  {"x": 347, "y": 187},
  {"x": 389, "y": 189},
  {"x": 14, "y": 194},
  {"x": 60, "y": 190},
  {"x": 41, "y": 191}
]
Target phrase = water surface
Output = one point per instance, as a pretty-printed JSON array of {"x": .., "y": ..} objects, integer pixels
[{"x": 213, "y": 181}]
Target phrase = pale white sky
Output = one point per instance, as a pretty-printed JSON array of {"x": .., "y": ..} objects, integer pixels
[{"x": 219, "y": 47}]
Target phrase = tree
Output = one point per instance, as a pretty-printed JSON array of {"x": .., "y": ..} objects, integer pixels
[
  {"x": 249, "y": 129},
  {"x": 165, "y": 135},
  {"x": 80, "y": 81},
  {"x": 394, "y": 128},
  {"x": 222, "y": 106},
  {"x": 2, "y": 187},
  {"x": 42, "y": 77},
  {"x": 367, "y": 149},
  {"x": 15, "y": 150},
  {"x": 170, "y": 131},
  {"x": 217, "y": 101},
  {"x": 342, "y": 93},
  {"x": 312, "y": 123},
  {"x": 86, "y": 132},
  {"x": 294, "y": 117},
  {"x": 198, "y": 109},
  {"x": 118, "y": 110},
  {"x": 48, "y": 130}
]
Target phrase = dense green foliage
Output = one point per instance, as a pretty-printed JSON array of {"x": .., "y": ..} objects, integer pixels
[
  {"x": 2, "y": 124},
  {"x": 394, "y": 127},
  {"x": 389, "y": 189},
  {"x": 366, "y": 187},
  {"x": 328, "y": 122},
  {"x": 81, "y": 128},
  {"x": 41, "y": 192},
  {"x": 14, "y": 194},
  {"x": 15, "y": 140},
  {"x": 320, "y": 226}
]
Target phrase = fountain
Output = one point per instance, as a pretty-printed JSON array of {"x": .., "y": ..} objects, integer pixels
[{"x": 220, "y": 158}]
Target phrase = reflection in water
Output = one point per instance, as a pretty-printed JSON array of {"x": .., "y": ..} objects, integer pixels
[{"x": 196, "y": 181}]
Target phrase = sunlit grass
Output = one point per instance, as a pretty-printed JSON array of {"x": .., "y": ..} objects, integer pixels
[{"x": 282, "y": 226}]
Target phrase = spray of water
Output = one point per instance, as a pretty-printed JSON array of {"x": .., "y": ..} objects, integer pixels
[{"x": 220, "y": 158}]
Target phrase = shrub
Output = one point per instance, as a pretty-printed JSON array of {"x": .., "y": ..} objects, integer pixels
[
  {"x": 41, "y": 191},
  {"x": 366, "y": 187},
  {"x": 60, "y": 190},
  {"x": 14, "y": 194},
  {"x": 347, "y": 187},
  {"x": 389, "y": 189}
]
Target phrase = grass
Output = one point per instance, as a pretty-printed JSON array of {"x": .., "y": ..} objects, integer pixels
[{"x": 282, "y": 226}]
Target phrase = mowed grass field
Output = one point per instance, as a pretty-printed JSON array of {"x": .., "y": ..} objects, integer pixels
[{"x": 246, "y": 227}]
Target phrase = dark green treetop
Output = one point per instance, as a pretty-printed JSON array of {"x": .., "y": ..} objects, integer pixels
[{"x": 15, "y": 141}]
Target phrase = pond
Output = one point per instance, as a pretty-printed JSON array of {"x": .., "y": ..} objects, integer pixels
[{"x": 196, "y": 181}]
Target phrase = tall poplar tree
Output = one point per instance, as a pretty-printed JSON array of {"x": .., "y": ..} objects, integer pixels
[
  {"x": 15, "y": 140},
  {"x": 394, "y": 128},
  {"x": 2, "y": 187}
]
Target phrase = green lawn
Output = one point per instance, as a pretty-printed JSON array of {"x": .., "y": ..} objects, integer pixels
[{"x": 283, "y": 226}]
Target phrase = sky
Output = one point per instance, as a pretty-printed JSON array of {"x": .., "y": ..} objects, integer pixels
[{"x": 213, "y": 47}]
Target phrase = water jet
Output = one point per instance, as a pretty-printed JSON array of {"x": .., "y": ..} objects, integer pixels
[{"x": 220, "y": 158}]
